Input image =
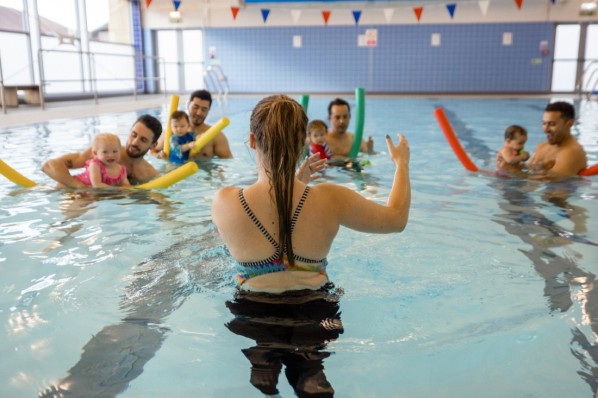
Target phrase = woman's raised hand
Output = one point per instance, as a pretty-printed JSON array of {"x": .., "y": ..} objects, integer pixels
[{"x": 399, "y": 153}]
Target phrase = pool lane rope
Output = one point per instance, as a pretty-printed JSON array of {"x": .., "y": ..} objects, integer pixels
[
  {"x": 359, "y": 122},
  {"x": 164, "y": 181},
  {"x": 457, "y": 148},
  {"x": 174, "y": 105}
]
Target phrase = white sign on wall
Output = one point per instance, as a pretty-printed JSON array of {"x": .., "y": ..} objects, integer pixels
[{"x": 371, "y": 37}]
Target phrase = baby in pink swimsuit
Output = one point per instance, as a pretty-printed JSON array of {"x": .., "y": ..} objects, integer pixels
[{"x": 104, "y": 169}]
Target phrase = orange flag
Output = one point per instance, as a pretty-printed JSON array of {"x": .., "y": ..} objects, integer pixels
[
  {"x": 418, "y": 12},
  {"x": 147, "y": 3},
  {"x": 235, "y": 11},
  {"x": 519, "y": 3},
  {"x": 326, "y": 15}
]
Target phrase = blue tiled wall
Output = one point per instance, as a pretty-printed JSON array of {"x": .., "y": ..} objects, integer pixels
[{"x": 471, "y": 59}]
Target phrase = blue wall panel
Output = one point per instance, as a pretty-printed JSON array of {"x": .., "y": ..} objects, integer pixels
[{"x": 471, "y": 59}]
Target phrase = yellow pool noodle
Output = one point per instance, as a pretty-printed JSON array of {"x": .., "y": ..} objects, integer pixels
[
  {"x": 174, "y": 105},
  {"x": 172, "y": 177},
  {"x": 15, "y": 176},
  {"x": 209, "y": 135}
]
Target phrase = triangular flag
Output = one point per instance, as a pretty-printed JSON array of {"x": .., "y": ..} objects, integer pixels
[
  {"x": 484, "y": 6},
  {"x": 147, "y": 3},
  {"x": 295, "y": 14},
  {"x": 418, "y": 12},
  {"x": 265, "y": 13},
  {"x": 326, "y": 15},
  {"x": 553, "y": 1},
  {"x": 388, "y": 14},
  {"x": 356, "y": 16},
  {"x": 177, "y": 4},
  {"x": 519, "y": 3},
  {"x": 451, "y": 9},
  {"x": 235, "y": 11}
]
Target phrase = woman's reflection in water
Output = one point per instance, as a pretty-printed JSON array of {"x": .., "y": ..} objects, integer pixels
[{"x": 290, "y": 329}]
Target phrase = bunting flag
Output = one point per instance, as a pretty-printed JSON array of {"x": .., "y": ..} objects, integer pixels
[
  {"x": 356, "y": 16},
  {"x": 451, "y": 9},
  {"x": 484, "y": 6},
  {"x": 235, "y": 11},
  {"x": 177, "y": 4},
  {"x": 326, "y": 15},
  {"x": 388, "y": 12},
  {"x": 147, "y": 3},
  {"x": 265, "y": 13},
  {"x": 295, "y": 14},
  {"x": 418, "y": 12},
  {"x": 553, "y": 1},
  {"x": 519, "y": 3}
]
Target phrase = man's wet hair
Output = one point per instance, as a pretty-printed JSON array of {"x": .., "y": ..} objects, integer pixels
[
  {"x": 202, "y": 95},
  {"x": 566, "y": 109},
  {"x": 151, "y": 123}
]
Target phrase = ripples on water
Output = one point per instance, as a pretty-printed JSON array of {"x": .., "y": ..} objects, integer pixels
[{"x": 489, "y": 291}]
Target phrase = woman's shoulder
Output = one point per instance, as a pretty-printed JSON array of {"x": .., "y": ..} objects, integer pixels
[{"x": 226, "y": 193}]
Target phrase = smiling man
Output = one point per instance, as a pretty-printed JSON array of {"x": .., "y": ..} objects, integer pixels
[
  {"x": 560, "y": 155},
  {"x": 143, "y": 136}
]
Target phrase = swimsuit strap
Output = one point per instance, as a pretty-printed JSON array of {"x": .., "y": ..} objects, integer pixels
[
  {"x": 299, "y": 207},
  {"x": 259, "y": 224},
  {"x": 256, "y": 221}
]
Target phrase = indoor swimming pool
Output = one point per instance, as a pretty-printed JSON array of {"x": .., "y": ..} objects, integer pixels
[{"x": 490, "y": 291}]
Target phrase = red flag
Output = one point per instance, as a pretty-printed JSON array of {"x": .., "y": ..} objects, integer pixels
[
  {"x": 326, "y": 15},
  {"x": 147, "y": 3},
  {"x": 519, "y": 3},
  {"x": 235, "y": 11},
  {"x": 418, "y": 12}
]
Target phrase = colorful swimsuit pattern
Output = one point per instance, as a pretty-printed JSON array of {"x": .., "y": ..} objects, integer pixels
[
  {"x": 248, "y": 270},
  {"x": 323, "y": 150},
  {"x": 106, "y": 179}
]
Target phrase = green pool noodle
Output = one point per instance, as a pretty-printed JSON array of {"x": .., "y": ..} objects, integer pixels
[
  {"x": 304, "y": 102},
  {"x": 359, "y": 121}
]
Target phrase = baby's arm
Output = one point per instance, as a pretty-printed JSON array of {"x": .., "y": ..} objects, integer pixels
[
  {"x": 95, "y": 176},
  {"x": 511, "y": 159},
  {"x": 125, "y": 182}
]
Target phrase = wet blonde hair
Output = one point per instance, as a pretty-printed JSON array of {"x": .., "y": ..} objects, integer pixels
[
  {"x": 279, "y": 126},
  {"x": 104, "y": 138}
]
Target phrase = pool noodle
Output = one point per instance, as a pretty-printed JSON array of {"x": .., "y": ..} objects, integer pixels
[
  {"x": 170, "y": 178},
  {"x": 359, "y": 121},
  {"x": 453, "y": 141},
  {"x": 462, "y": 156},
  {"x": 305, "y": 102},
  {"x": 174, "y": 105},
  {"x": 209, "y": 135},
  {"x": 161, "y": 182},
  {"x": 590, "y": 171},
  {"x": 15, "y": 176}
]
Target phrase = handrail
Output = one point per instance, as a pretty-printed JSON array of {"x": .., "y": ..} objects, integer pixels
[
  {"x": 580, "y": 81},
  {"x": 92, "y": 80},
  {"x": 3, "y": 95},
  {"x": 215, "y": 74}
]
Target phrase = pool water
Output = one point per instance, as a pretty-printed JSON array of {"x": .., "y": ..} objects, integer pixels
[{"x": 490, "y": 291}]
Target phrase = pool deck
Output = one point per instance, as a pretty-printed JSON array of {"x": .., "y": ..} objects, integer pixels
[{"x": 28, "y": 114}]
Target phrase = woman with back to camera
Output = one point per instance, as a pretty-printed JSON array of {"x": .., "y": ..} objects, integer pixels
[{"x": 280, "y": 231}]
